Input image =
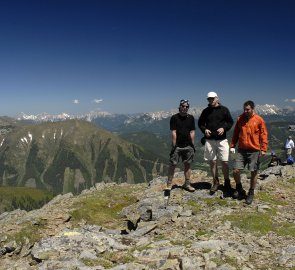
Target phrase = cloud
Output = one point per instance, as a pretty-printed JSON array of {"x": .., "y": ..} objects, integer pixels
[
  {"x": 290, "y": 100},
  {"x": 97, "y": 101},
  {"x": 76, "y": 101}
]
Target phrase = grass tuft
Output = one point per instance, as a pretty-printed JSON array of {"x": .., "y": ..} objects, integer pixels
[
  {"x": 202, "y": 233},
  {"x": 104, "y": 206},
  {"x": 30, "y": 231},
  {"x": 267, "y": 197},
  {"x": 194, "y": 206},
  {"x": 286, "y": 229},
  {"x": 215, "y": 201},
  {"x": 257, "y": 223}
]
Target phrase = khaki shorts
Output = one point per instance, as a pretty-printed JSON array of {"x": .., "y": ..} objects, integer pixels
[
  {"x": 289, "y": 151},
  {"x": 186, "y": 154},
  {"x": 216, "y": 149}
]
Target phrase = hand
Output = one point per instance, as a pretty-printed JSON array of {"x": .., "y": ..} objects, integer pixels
[
  {"x": 262, "y": 153},
  {"x": 207, "y": 133},
  {"x": 232, "y": 150},
  {"x": 220, "y": 131}
]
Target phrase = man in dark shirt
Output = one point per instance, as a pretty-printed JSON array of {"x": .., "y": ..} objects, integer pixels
[
  {"x": 182, "y": 126},
  {"x": 214, "y": 122}
]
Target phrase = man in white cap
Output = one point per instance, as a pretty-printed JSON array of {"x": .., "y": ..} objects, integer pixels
[
  {"x": 289, "y": 145},
  {"x": 214, "y": 122}
]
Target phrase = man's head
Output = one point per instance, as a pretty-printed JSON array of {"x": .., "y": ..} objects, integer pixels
[
  {"x": 290, "y": 137},
  {"x": 249, "y": 108},
  {"x": 213, "y": 99},
  {"x": 183, "y": 106}
]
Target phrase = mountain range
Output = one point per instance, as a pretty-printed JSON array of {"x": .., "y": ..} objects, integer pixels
[
  {"x": 155, "y": 122},
  {"x": 146, "y": 117}
]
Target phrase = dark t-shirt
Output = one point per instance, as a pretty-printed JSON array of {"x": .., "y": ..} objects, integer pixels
[
  {"x": 213, "y": 118},
  {"x": 183, "y": 126}
]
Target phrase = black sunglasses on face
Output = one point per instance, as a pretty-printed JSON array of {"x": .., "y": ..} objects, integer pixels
[
  {"x": 184, "y": 106},
  {"x": 210, "y": 98}
]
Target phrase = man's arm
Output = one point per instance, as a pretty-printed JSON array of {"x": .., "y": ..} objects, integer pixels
[
  {"x": 263, "y": 138},
  {"x": 193, "y": 135},
  {"x": 173, "y": 142},
  {"x": 173, "y": 137},
  {"x": 235, "y": 137}
]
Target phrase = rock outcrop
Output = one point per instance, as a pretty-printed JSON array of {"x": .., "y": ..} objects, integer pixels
[{"x": 180, "y": 230}]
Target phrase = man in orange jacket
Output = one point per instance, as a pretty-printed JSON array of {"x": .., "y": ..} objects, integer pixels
[{"x": 251, "y": 135}]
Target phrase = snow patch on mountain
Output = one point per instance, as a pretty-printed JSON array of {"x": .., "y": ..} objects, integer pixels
[
  {"x": 95, "y": 114},
  {"x": 268, "y": 109},
  {"x": 44, "y": 117}
]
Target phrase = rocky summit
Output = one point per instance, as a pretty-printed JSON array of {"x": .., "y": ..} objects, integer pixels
[{"x": 138, "y": 226}]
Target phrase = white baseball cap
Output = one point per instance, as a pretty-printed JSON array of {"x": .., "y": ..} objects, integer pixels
[{"x": 211, "y": 95}]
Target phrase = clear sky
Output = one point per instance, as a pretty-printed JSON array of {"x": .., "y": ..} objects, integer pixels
[{"x": 127, "y": 56}]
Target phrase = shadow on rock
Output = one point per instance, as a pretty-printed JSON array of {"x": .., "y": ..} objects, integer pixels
[{"x": 201, "y": 185}]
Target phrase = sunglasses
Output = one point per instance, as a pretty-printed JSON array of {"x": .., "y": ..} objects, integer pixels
[
  {"x": 184, "y": 101},
  {"x": 184, "y": 106},
  {"x": 210, "y": 98}
]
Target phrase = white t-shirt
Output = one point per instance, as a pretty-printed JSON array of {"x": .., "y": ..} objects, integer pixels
[{"x": 289, "y": 144}]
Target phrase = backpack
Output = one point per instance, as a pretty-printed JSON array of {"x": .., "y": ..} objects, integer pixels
[{"x": 290, "y": 160}]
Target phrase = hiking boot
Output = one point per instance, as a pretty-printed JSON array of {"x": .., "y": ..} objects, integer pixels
[
  {"x": 214, "y": 187},
  {"x": 187, "y": 186},
  {"x": 239, "y": 194},
  {"x": 250, "y": 196},
  {"x": 226, "y": 182},
  {"x": 168, "y": 186},
  {"x": 227, "y": 188}
]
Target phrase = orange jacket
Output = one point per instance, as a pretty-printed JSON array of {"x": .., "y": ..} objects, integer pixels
[{"x": 251, "y": 134}]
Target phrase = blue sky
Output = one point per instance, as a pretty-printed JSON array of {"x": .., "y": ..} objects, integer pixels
[{"x": 130, "y": 56}]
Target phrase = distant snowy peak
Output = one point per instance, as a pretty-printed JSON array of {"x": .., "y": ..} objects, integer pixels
[
  {"x": 196, "y": 111},
  {"x": 148, "y": 117},
  {"x": 24, "y": 116},
  {"x": 268, "y": 109},
  {"x": 43, "y": 117},
  {"x": 46, "y": 117},
  {"x": 157, "y": 116},
  {"x": 95, "y": 114}
]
